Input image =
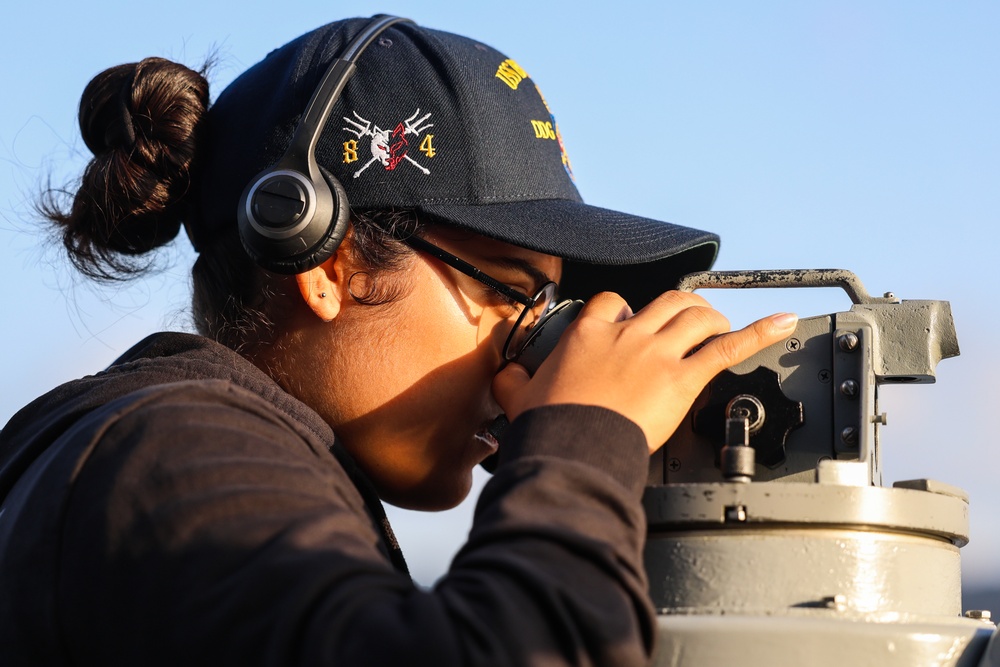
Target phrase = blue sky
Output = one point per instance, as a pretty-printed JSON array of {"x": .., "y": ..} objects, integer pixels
[{"x": 854, "y": 135}]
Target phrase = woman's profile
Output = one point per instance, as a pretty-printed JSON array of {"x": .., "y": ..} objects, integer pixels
[{"x": 382, "y": 212}]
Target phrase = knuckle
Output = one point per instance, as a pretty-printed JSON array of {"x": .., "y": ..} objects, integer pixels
[
  {"x": 673, "y": 299},
  {"x": 606, "y": 298},
  {"x": 704, "y": 319},
  {"x": 606, "y": 306},
  {"x": 682, "y": 299},
  {"x": 709, "y": 317},
  {"x": 760, "y": 334},
  {"x": 729, "y": 349},
  {"x": 582, "y": 326}
]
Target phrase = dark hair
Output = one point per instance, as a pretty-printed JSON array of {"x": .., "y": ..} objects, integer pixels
[
  {"x": 238, "y": 304},
  {"x": 143, "y": 122}
]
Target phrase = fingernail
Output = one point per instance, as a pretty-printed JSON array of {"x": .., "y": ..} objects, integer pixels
[{"x": 784, "y": 321}]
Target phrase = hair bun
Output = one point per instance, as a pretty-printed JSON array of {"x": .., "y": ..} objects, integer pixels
[
  {"x": 105, "y": 118},
  {"x": 142, "y": 121}
]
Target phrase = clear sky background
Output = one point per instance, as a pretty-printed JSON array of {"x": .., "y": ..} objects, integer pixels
[{"x": 851, "y": 134}]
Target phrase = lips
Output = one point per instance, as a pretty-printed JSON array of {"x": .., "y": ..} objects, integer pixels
[
  {"x": 489, "y": 435},
  {"x": 483, "y": 435}
]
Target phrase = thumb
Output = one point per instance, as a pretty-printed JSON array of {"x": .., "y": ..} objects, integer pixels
[{"x": 507, "y": 384}]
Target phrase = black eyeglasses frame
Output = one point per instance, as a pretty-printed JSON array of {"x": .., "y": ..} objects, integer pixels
[{"x": 547, "y": 291}]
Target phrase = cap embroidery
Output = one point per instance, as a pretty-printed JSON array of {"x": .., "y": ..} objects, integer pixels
[
  {"x": 565, "y": 156},
  {"x": 550, "y": 130},
  {"x": 511, "y": 73},
  {"x": 543, "y": 129},
  {"x": 388, "y": 147}
]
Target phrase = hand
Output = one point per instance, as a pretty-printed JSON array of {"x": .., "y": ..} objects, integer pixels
[{"x": 641, "y": 366}]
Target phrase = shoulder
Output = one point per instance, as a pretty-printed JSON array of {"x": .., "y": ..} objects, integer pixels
[{"x": 185, "y": 435}]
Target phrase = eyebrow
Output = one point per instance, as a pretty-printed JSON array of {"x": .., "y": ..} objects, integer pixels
[
  {"x": 524, "y": 266},
  {"x": 456, "y": 262}
]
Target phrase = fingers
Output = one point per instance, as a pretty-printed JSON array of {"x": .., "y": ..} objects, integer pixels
[
  {"x": 610, "y": 307},
  {"x": 681, "y": 321},
  {"x": 642, "y": 365},
  {"x": 683, "y": 312},
  {"x": 507, "y": 384},
  {"x": 732, "y": 348},
  {"x": 688, "y": 322},
  {"x": 672, "y": 302},
  {"x": 607, "y": 306}
]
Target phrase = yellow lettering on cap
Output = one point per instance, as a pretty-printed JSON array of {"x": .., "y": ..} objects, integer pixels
[
  {"x": 511, "y": 73},
  {"x": 427, "y": 146},
  {"x": 350, "y": 151},
  {"x": 543, "y": 129}
]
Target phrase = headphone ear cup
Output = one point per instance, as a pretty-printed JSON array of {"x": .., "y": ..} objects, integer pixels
[
  {"x": 290, "y": 223},
  {"x": 336, "y": 228}
]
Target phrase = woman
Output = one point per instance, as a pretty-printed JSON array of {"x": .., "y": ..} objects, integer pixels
[{"x": 216, "y": 499}]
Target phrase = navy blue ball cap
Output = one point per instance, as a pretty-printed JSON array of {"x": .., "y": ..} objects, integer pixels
[{"x": 452, "y": 128}]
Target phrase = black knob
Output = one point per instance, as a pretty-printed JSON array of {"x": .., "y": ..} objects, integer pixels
[{"x": 757, "y": 397}]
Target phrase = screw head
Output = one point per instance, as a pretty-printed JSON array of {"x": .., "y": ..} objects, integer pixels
[
  {"x": 849, "y": 436},
  {"x": 848, "y": 342},
  {"x": 849, "y": 388},
  {"x": 673, "y": 465},
  {"x": 793, "y": 344},
  {"x": 824, "y": 376},
  {"x": 736, "y": 514}
]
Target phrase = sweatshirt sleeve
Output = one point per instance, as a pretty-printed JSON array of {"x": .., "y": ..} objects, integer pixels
[
  {"x": 203, "y": 529},
  {"x": 557, "y": 544}
]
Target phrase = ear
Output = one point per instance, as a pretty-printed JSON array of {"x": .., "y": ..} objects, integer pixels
[{"x": 324, "y": 288}]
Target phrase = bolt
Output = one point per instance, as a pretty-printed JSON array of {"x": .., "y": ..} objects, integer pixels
[
  {"x": 824, "y": 376},
  {"x": 849, "y": 436},
  {"x": 849, "y": 388},
  {"x": 673, "y": 465},
  {"x": 979, "y": 615},
  {"x": 792, "y": 344},
  {"x": 848, "y": 342},
  {"x": 880, "y": 419},
  {"x": 736, "y": 514},
  {"x": 749, "y": 407}
]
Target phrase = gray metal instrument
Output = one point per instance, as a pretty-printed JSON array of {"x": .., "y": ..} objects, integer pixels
[{"x": 771, "y": 538}]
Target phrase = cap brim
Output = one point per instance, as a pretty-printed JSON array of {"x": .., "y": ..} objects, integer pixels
[{"x": 605, "y": 250}]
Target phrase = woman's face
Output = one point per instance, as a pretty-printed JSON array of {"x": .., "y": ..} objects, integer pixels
[{"x": 406, "y": 385}]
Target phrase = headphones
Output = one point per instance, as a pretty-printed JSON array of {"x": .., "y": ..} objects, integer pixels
[{"x": 293, "y": 215}]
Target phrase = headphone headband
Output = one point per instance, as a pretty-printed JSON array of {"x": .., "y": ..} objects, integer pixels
[{"x": 332, "y": 84}]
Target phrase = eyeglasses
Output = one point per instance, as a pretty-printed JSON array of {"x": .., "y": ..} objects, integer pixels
[{"x": 534, "y": 306}]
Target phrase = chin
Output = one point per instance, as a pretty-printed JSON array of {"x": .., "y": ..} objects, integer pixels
[{"x": 433, "y": 494}]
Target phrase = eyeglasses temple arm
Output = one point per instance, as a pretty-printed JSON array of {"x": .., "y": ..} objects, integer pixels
[{"x": 457, "y": 262}]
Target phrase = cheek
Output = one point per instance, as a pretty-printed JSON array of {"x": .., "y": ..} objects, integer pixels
[
  {"x": 448, "y": 345},
  {"x": 446, "y": 324},
  {"x": 429, "y": 347}
]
